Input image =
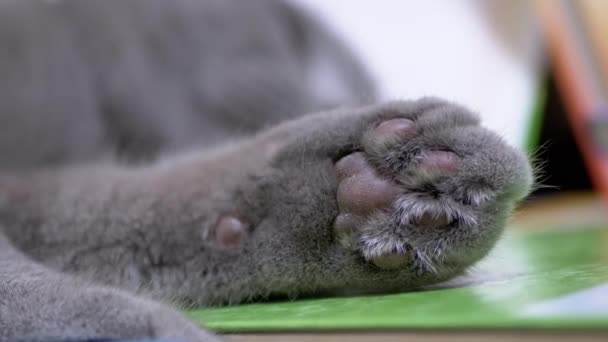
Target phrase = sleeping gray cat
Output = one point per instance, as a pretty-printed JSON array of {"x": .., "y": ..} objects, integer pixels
[{"x": 161, "y": 147}]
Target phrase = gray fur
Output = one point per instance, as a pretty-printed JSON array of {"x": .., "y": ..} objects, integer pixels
[{"x": 132, "y": 137}]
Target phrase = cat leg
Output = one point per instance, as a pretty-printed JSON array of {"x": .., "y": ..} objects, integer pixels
[
  {"x": 372, "y": 199},
  {"x": 415, "y": 192}
]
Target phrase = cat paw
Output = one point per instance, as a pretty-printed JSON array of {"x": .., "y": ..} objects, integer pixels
[{"x": 429, "y": 193}]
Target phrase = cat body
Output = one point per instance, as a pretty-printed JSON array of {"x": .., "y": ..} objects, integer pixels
[{"x": 163, "y": 148}]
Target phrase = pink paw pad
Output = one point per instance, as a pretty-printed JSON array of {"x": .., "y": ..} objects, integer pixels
[
  {"x": 229, "y": 232},
  {"x": 401, "y": 127},
  {"x": 442, "y": 161},
  {"x": 392, "y": 261},
  {"x": 362, "y": 190}
]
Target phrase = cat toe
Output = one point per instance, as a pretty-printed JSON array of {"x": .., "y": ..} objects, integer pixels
[{"x": 361, "y": 190}]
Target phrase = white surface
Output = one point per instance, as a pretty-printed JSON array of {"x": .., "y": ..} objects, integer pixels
[
  {"x": 593, "y": 301},
  {"x": 440, "y": 48}
]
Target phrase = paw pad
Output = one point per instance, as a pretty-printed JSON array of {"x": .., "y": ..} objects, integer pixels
[
  {"x": 392, "y": 261},
  {"x": 229, "y": 232},
  {"x": 401, "y": 127},
  {"x": 442, "y": 161}
]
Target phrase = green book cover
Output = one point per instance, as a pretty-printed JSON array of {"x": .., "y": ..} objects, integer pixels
[{"x": 538, "y": 279}]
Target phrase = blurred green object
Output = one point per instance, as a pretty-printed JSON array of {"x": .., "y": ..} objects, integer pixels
[
  {"x": 537, "y": 279},
  {"x": 535, "y": 121}
]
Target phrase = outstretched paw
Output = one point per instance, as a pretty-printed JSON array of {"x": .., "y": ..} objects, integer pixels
[{"x": 429, "y": 193}]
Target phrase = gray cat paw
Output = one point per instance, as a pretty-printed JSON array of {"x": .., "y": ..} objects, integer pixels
[{"x": 427, "y": 192}]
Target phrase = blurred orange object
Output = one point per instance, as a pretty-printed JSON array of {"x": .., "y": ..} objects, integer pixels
[{"x": 570, "y": 30}]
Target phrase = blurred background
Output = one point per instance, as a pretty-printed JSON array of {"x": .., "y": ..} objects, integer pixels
[
  {"x": 536, "y": 72},
  {"x": 484, "y": 54}
]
